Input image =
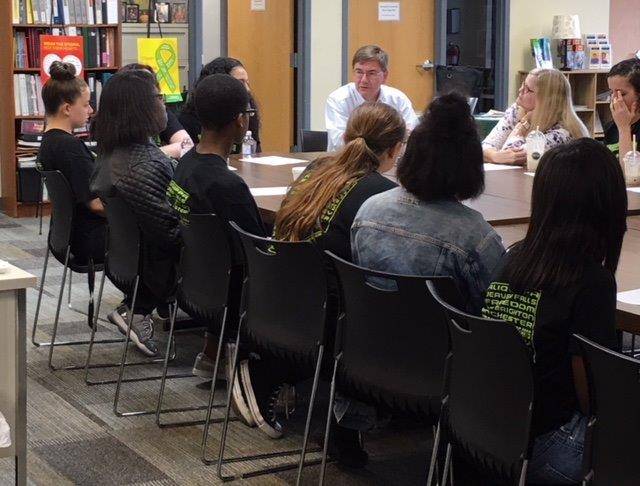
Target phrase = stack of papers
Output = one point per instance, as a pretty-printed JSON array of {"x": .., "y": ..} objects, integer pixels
[
  {"x": 629, "y": 297},
  {"x": 269, "y": 191},
  {"x": 273, "y": 160},
  {"x": 490, "y": 167}
]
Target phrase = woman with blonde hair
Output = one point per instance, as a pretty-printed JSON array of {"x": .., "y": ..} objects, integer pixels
[
  {"x": 544, "y": 103},
  {"x": 320, "y": 207}
]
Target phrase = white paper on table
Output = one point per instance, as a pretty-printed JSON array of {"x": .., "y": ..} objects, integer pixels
[
  {"x": 633, "y": 189},
  {"x": 489, "y": 167},
  {"x": 630, "y": 297},
  {"x": 231, "y": 167},
  {"x": 531, "y": 174},
  {"x": 5, "y": 433},
  {"x": 273, "y": 160},
  {"x": 269, "y": 191}
]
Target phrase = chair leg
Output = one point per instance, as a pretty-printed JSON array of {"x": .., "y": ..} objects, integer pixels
[
  {"x": 57, "y": 317},
  {"x": 208, "y": 421},
  {"x": 165, "y": 367},
  {"x": 39, "y": 206},
  {"x": 87, "y": 366},
  {"x": 327, "y": 432},
  {"x": 434, "y": 455},
  {"x": 273, "y": 469},
  {"x": 40, "y": 290},
  {"x": 523, "y": 473},
  {"x": 75, "y": 309},
  {"x": 447, "y": 463},
  {"x": 120, "y": 380}
]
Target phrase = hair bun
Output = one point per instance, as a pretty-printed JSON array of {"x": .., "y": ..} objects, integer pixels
[{"x": 62, "y": 71}]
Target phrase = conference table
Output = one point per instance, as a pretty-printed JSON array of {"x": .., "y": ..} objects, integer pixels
[{"x": 505, "y": 204}]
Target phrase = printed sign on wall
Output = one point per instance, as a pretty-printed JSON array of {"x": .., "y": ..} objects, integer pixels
[
  {"x": 388, "y": 11},
  {"x": 162, "y": 55}
]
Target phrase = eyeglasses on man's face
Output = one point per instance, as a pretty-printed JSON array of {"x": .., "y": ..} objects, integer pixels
[{"x": 369, "y": 74}]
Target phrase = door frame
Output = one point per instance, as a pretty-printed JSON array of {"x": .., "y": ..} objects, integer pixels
[
  {"x": 501, "y": 75},
  {"x": 300, "y": 60},
  {"x": 440, "y": 47}
]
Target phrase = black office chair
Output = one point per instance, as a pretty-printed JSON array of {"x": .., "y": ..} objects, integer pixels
[
  {"x": 283, "y": 312},
  {"x": 391, "y": 342},
  {"x": 313, "y": 141},
  {"x": 59, "y": 244},
  {"x": 122, "y": 266},
  {"x": 204, "y": 277},
  {"x": 487, "y": 409},
  {"x": 465, "y": 80},
  {"x": 614, "y": 393}
]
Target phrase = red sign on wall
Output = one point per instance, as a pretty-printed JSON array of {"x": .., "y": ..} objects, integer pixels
[{"x": 63, "y": 48}]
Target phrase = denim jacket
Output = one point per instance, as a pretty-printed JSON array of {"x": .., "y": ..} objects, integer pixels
[{"x": 396, "y": 232}]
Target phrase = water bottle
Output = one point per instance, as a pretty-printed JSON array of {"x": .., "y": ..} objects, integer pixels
[
  {"x": 535, "y": 145},
  {"x": 249, "y": 145},
  {"x": 631, "y": 163}
]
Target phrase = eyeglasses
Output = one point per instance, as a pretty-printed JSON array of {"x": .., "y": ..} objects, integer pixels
[
  {"x": 369, "y": 74},
  {"x": 250, "y": 112}
]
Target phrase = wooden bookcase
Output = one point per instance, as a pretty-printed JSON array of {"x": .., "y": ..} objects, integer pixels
[
  {"x": 586, "y": 84},
  {"x": 9, "y": 122}
]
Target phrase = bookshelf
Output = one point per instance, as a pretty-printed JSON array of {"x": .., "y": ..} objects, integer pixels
[
  {"x": 586, "y": 84},
  {"x": 10, "y": 121}
]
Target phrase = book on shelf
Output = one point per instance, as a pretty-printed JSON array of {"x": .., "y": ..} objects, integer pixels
[
  {"x": 26, "y": 47},
  {"x": 27, "y": 93},
  {"x": 65, "y": 11}
]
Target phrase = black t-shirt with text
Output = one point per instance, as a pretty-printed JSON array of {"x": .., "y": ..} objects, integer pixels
[
  {"x": 547, "y": 320},
  {"x": 62, "y": 151},
  {"x": 202, "y": 183}
]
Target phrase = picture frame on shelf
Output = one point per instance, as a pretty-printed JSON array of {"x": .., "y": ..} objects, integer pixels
[
  {"x": 132, "y": 14},
  {"x": 162, "y": 14},
  {"x": 179, "y": 13}
]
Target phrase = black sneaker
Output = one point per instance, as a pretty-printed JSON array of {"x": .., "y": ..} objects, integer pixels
[
  {"x": 141, "y": 329},
  {"x": 262, "y": 398},
  {"x": 345, "y": 446}
]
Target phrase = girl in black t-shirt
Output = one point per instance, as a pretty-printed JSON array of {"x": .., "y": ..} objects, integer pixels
[
  {"x": 66, "y": 103},
  {"x": 563, "y": 273},
  {"x": 624, "y": 83}
]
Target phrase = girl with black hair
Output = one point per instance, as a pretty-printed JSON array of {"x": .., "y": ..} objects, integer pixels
[
  {"x": 624, "y": 83},
  {"x": 132, "y": 167},
  {"x": 220, "y": 65},
  {"x": 66, "y": 102},
  {"x": 560, "y": 280}
]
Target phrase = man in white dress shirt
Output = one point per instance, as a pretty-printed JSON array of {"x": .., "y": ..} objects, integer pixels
[{"x": 369, "y": 74}]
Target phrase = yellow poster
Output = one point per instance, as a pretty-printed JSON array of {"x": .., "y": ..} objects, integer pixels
[{"x": 162, "y": 55}]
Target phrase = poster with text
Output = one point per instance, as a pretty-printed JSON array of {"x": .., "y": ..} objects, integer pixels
[
  {"x": 162, "y": 55},
  {"x": 63, "y": 48}
]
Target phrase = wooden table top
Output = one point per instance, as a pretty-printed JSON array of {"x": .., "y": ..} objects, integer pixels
[
  {"x": 627, "y": 276},
  {"x": 506, "y": 200}
]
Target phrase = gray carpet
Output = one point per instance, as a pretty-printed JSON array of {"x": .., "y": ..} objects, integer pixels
[{"x": 74, "y": 437}]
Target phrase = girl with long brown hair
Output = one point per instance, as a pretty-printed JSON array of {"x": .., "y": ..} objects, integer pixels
[{"x": 322, "y": 203}]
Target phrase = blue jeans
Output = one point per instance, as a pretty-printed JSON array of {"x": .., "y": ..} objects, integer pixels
[{"x": 557, "y": 455}]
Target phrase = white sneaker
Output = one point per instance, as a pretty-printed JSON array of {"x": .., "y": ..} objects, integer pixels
[{"x": 238, "y": 401}]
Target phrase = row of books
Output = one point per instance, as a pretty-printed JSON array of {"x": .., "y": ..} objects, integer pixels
[
  {"x": 65, "y": 12},
  {"x": 26, "y": 47},
  {"x": 99, "y": 46},
  {"x": 27, "y": 90}
]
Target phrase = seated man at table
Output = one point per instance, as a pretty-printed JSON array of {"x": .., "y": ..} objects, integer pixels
[
  {"x": 370, "y": 71},
  {"x": 202, "y": 182}
]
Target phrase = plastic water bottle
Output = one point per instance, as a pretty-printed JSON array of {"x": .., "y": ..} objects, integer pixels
[
  {"x": 535, "y": 145},
  {"x": 249, "y": 145}
]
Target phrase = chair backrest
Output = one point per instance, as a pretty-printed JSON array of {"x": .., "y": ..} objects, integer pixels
[
  {"x": 490, "y": 395},
  {"x": 122, "y": 258},
  {"x": 284, "y": 296},
  {"x": 205, "y": 266},
  {"x": 614, "y": 392},
  {"x": 393, "y": 337},
  {"x": 62, "y": 210},
  {"x": 313, "y": 141}
]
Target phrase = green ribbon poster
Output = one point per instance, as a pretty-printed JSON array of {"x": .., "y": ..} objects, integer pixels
[{"x": 162, "y": 55}]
